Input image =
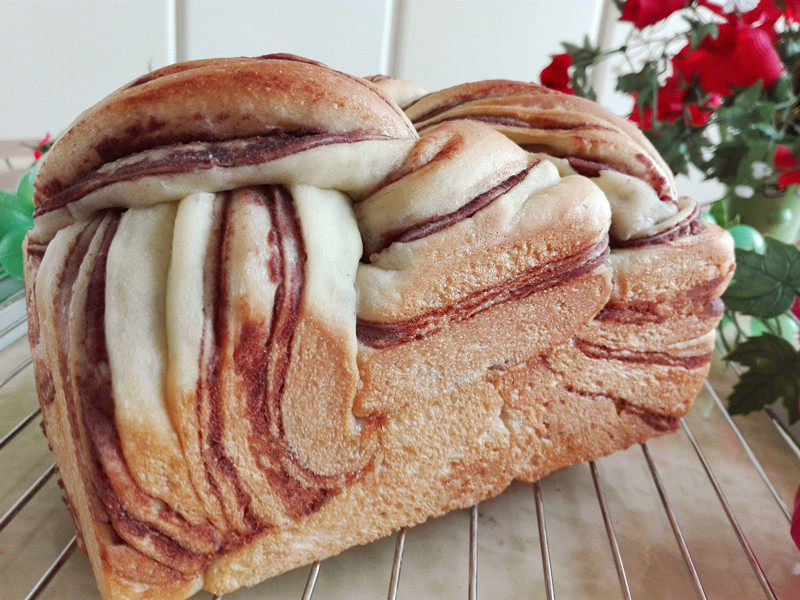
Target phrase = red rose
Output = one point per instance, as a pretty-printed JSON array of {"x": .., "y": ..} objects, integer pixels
[
  {"x": 740, "y": 56},
  {"x": 556, "y": 74},
  {"x": 670, "y": 107},
  {"x": 767, "y": 13},
  {"x": 796, "y": 307},
  {"x": 647, "y": 12}
]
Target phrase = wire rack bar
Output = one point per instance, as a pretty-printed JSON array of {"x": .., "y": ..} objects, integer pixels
[
  {"x": 54, "y": 568},
  {"x": 12, "y": 326},
  {"x": 17, "y": 370},
  {"x": 612, "y": 538},
  {"x": 545, "y": 547},
  {"x": 312, "y": 581},
  {"x": 676, "y": 529},
  {"x": 749, "y": 451},
  {"x": 18, "y": 427},
  {"x": 784, "y": 432},
  {"x": 762, "y": 578},
  {"x": 397, "y": 563},
  {"x": 25, "y": 498},
  {"x": 473, "y": 552}
]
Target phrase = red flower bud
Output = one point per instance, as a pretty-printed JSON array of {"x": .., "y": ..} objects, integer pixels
[
  {"x": 670, "y": 107},
  {"x": 556, "y": 74},
  {"x": 784, "y": 159},
  {"x": 740, "y": 56},
  {"x": 787, "y": 179},
  {"x": 647, "y": 12},
  {"x": 786, "y": 164}
]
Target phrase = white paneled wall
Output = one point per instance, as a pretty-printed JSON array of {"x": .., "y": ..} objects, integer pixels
[
  {"x": 345, "y": 34},
  {"x": 446, "y": 42},
  {"x": 59, "y": 57}
]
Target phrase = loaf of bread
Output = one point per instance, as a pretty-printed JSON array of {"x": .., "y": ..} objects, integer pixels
[{"x": 273, "y": 315}]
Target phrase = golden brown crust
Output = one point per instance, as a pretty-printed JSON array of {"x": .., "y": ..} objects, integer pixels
[{"x": 315, "y": 401}]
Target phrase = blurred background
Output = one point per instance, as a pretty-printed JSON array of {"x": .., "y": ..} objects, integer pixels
[{"x": 58, "y": 58}]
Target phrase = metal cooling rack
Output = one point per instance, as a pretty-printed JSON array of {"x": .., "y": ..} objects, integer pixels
[{"x": 732, "y": 542}]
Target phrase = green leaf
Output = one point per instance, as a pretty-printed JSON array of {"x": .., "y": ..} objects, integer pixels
[
  {"x": 699, "y": 31},
  {"x": 11, "y": 219},
  {"x": 781, "y": 90},
  {"x": 773, "y": 374},
  {"x": 765, "y": 285},
  {"x": 750, "y": 95},
  {"x": 719, "y": 213},
  {"x": 7, "y": 197},
  {"x": 723, "y": 213},
  {"x": 757, "y": 150},
  {"x": 584, "y": 55},
  {"x": 643, "y": 82},
  {"x": 11, "y": 252},
  {"x": 726, "y": 160},
  {"x": 25, "y": 192}
]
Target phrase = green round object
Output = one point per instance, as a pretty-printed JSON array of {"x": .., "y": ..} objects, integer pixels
[
  {"x": 773, "y": 212},
  {"x": 748, "y": 238},
  {"x": 787, "y": 325}
]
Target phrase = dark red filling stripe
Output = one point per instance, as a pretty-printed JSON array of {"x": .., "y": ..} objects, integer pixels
[
  {"x": 76, "y": 255},
  {"x": 439, "y": 222},
  {"x": 262, "y": 358},
  {"x": 592, "y": 350},
  {"x": 692, "y": 224},
  {"x": 653, "y": 419},
  {"x": 701, "y": 300},
  {"x": 181, "y": 158},
  {"x": 97, "y": 412},
  {"x": 208, "y": 392},
  {"x": 503, "y": 91},
  {"x": 536, "y": 122},
  {"x": 590, "y": 167},
  {"x": 388, "y": 335},
  {"x": 438, "y": 110}
]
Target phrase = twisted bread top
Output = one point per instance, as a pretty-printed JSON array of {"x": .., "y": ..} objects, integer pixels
[
  {"x": 215, "y": 100},
  {"x": 578, "y": 135},
  {"x": 214, "y": 124}
]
